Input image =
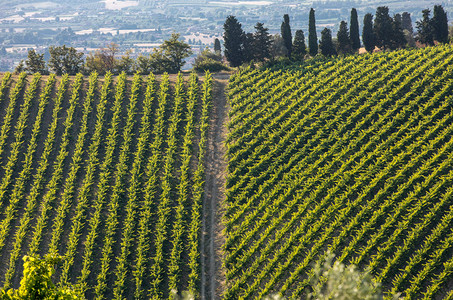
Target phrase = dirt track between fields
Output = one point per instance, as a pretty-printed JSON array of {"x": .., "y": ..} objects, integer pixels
[{"x": 212, "y": 277}]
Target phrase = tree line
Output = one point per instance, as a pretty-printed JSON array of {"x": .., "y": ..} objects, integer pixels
[
  {"x": 384, "y": 32},
  {"x": 169, "y": 57}
]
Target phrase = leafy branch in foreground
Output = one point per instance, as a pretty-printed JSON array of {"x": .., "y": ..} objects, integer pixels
[
  {"x": 337, "y": 281},
  {"x": 37, "y": 281}
]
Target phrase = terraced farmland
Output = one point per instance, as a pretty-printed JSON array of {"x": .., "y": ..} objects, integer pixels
[
  {"x": 351, "y": 155},
  {"x": 109, "y": 173}
]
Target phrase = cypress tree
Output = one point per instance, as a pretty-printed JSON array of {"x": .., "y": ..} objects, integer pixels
[
  {"x": 406, "y": 22},
  {"x": 287, "y": 35},
  {"x": 233, "y": 36},
  {"x": 425, "y": 29},
  {"x": 248, "y": 47},
  {"x": 368, "y": 37},
  {"x": 262, "y": 42},
  {"x": 217, "y": 47},
  {"x": 326, "y": 44},
  {"x": 312, "y": 37},
  {"x": 354, "y": 30},
  {"x": 344, "y": 43},
  {"x": 398, "y": 38},
  {"x": 383, "y": 27},
  {"x": 440, "y": 24},
  {"x": 299, "y": 47}
]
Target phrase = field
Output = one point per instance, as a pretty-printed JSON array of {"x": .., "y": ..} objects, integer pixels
[
  {"x": 148, "y": 185},
  {"x": 348, "y": 155},
  {"x": 109, "y": 173}
]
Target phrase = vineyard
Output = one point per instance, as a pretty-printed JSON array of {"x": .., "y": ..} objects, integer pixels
[
  {"x": 351, "y": 156},
  {"x": 108, "y": 172},
  {"x": 123, "y": 177}
]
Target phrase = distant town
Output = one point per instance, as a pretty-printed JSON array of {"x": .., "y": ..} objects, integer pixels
[{"x": 142, "y": 25}]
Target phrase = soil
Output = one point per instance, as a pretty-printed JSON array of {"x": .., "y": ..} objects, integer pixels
[{"x": 212, "y": 277}]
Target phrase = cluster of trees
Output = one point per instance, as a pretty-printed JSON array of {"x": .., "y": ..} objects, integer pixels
[
  {"x": 169, "y": 57},
  {"x": 397, "y": 32},
  {"x": 241, "y": 47},
  {"x": 385, "y": 32},
  {"x": 433, "y": 29}
]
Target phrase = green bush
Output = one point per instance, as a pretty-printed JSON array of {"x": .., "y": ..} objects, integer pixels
[
  {"x": 37, "y": 282},
  {"x": 334, "y": 280},
  {"x": 209, "y": 61}
]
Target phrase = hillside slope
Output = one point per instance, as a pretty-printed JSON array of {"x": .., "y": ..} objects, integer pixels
[
  {"x": 350, "y": 155},
  {"x": 109, "y": 173}
]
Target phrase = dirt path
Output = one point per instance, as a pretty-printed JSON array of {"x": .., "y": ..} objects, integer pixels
[{"x": 212, "y": 276}]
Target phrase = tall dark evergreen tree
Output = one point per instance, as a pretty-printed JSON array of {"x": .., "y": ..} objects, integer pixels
[
  {"x": 398, "y": 18},
  {"x": 326, "y": 44},
  {"x": 406, "y": 22},
  {"x": 368, "y": 37},
  {"x": 287, "y": 35},
  {"x": 398, "y": 38},
  {"x": 383, "y": 27},
  {"x": 248, "y": 47},
  {"x": 262, "y": 42},
  {"x": 299, "y": 47},
  {"x": 312, "y": 36},
  {"x": 425, "y": 30},
  {"x": 344, "y": 43},
  {"x": 217, "y": 47},
  {"x": 440, "y": 24},
  {"x": 354, "y": 31},
  {"x": 233, "y": 36}
]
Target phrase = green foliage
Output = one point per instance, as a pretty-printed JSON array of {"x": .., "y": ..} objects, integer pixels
[
  {"x": 126, "y": 64},
  {"x": 299, "y": 47},
  {"x": 169, "y": 57},
  {"x": 175, "y": 51},
  {"x": 383, "y": 28},
  {"x": 440, "y": 24},
  {"x": 35, "y": 63},
  {"x": 248, "y": 48},
  {"x": 262, "y": 43},
  {"x": 208, "y": 61},
  {"x": 326, "y": 45},
  {"x": 109, "y": 151},
  {"x": 20, "y": 67},
  {"x": 234, "y": 38},
  {"x": 334, "y": 280},
  {"x": 425, "y": 29},
  {"x": 368, "y": 36},
  {"x": 277, "y": 49},
  {"x": 406, "y": 22},
  {"x": 398, "y": 37},
  {"x": 65, "y": 60},
  {"x": 287, "y": 35},
  {"x": 217, "y": 47},
  {"x": 312, "y": 36},
  {"x": 354, "y": 30},
  {"x": 344, "y": 43},
  {"x": 37, "y": 282},
  {"x": 345, "y": 154},
  {"x": 102, "y": 61},
  {"x": 185, "y": 295}
]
